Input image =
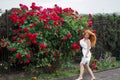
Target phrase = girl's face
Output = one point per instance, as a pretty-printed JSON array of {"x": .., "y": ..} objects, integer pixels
[{"x": 86, "y": 35}]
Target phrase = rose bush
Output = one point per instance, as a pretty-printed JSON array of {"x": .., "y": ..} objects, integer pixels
[{"x": 44, "y": 37}]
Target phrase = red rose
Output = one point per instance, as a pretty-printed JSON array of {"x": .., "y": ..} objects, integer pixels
[
  {"x": 29, "y": 35},
  {"x": 81, "y": 16},
  {"x": 33, "y": 25},
  {"x": 94, "y": 31},
  {"x": 75, "y": 46},
  {"x": 12, "y": 49},
  {"x": 94, "y": 61},
  {"x": 56, "y": 5},
  {"x": 28, "y": 61},
  {"x": 14, "y": 18},
  {"x": 43, "y": 18},
  {"x": 54, "y": 54},
  {"x": 93, "y": 67},
  {"x": 18, "y": 55},
  {"x": 76, "y": 12},
  {"x": 90, "y": 15},
  {"x": 28, "y": 55},
  {"x": 54, "y": 60},
  {"x": 33, "y": 6},
  {"x": 69, "y": 35},
  {"x": 34, "y": 35},
  {"x": 35, "y": 42},
  {"x": 33, "y": 38},
  {"x": 23, "y": 7},
  {"x": 19, "y": 41},
  {"x": 56, "y": 23},
  {"x": 7, "y": 44},
  {"x": 25, "y": 29},
  {"x": 2, "y": 41},
  {"x": 15, "y": 11},
  {"x": 21, "y": 62},
  {"x": 64, "y": 38},
  {"x": 42, "y": 46},
  {"x": 90, "y": 24},
  {"x": 21, "y": 36},
  {"x": 40, "y": 33},
  {"x": 79, "y": 31},
  {"x": 13, "y": 39},
  {"x": 2, "y": 44}
]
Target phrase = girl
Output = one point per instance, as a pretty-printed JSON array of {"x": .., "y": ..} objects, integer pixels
[{"x": 86, "y": 43}]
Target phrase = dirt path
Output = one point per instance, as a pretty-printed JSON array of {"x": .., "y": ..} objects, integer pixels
[{"x": 111, "y": 74}]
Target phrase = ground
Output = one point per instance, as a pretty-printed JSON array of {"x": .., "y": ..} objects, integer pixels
[{"x": 110, "y": 74}]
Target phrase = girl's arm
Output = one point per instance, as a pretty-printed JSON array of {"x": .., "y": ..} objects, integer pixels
[{"x": 88, "y": 47}]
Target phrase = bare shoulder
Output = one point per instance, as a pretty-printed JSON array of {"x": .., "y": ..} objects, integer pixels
[{"x": 88, "y": 41}]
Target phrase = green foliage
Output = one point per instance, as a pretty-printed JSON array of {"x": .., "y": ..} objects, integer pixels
[
  {"x": 104, "y": 63},
  {"x": 108, "y": 34},
  {"x": 107, "y": 62},
  {"x": 44, "y": 38}
]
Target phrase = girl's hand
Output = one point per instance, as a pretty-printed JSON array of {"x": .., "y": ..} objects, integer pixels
[{"x": 86, "y": 56}]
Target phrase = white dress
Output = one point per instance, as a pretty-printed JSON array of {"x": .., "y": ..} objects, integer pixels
[{"x": 84, "y": 50}]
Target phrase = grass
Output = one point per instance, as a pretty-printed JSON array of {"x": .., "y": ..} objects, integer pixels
[
  {"x": 68, "y": 70},
  {"x": 59, "y": 74}
]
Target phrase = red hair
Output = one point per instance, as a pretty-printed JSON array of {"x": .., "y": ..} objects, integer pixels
[{"x": 92, "y": 37}]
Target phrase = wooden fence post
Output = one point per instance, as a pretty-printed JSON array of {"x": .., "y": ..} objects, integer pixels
[{"x": 7, "y": 28}]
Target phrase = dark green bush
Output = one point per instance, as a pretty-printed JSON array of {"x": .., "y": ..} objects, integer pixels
[{"x": 108, "y": 34}]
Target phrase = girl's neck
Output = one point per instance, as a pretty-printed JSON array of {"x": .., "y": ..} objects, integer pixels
[{"x": 85, "y": 38}]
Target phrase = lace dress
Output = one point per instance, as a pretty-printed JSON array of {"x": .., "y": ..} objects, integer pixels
[{"x": 85, "y": 60}]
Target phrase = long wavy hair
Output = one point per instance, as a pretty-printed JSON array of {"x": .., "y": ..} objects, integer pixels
[{"x": 92, "y": 37}]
